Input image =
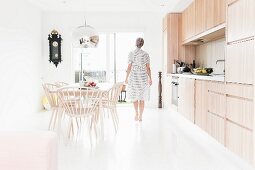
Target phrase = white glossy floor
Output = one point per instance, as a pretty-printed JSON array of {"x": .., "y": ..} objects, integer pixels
[{"x": 163, "y": 141}]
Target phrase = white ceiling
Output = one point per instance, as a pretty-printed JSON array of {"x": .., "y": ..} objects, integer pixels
[{"x": 112, "y": 5}]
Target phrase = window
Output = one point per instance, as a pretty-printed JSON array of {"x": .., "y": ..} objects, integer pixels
[{"x": 107, "y": 62}]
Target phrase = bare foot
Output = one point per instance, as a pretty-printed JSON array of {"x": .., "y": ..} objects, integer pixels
[
  {"x": 136, "y": 117},
  {"x": 140, "y": 118}
]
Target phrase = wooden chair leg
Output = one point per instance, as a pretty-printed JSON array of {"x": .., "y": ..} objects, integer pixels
[
  {"x": 52, "y": 118},
  {"x": 56, "y": 117}
]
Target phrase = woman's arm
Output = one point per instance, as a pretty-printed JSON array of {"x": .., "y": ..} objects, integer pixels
[
  {"x": 128, "y": 72},
  {"x": 148, "y": 70}
]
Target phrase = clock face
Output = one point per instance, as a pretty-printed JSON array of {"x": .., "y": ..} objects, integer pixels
[{"x": 55, "y": 44}]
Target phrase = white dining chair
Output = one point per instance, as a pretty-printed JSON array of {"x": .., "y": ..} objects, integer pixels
[
  {"x": 61, "y": 84},
  {"x": 80, "y": 105},
  {"x": 110, "y": 101},
  {"x": 51, "y": 94}
]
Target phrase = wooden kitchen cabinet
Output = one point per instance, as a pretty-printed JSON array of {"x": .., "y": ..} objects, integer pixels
[
  {"x": 240, "y": 111},
  {"x": 200, "y": 16},
  {"x": 217, "y": 104},
  {"x": 239, "y": 62},
  {"x": 240, "y": 90},
  {"x": 201, "y": 100},
  {"x": 240, "y": 20},
  {"x": 215, "y": 13},
  {"x": 220, "y": 14},
  {"x": 186, "y": 92},
  {"x": 200, "y": 20},
  {"x": 240, "y": 119},
  {"x": 216, "y": 127},
  {"x": 189, "y": 22},
  {"x": 217, "y": 98},
  {"x": 239, "y": 101},
  {"x": 170, "y": 40},
  {"x": 216, "y": 107},
  {"x": 239, "y": 140}
]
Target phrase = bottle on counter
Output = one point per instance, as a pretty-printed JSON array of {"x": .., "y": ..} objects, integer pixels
[{"x": 194, "y": 64}]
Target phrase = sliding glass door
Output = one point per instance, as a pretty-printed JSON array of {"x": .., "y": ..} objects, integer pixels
[{"x": 107, "y": 62}]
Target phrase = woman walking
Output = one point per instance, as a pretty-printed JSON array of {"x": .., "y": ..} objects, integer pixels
[{"x": 138, "y": 78}]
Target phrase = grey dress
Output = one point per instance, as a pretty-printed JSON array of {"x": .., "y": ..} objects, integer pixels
[{"x": 138, "y": 86}]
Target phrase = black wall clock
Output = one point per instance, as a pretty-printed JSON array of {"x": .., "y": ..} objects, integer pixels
[{"x": 55, "y": 47}]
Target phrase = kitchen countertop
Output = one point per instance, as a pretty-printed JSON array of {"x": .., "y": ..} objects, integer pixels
[{"x": 220, "y": 78}]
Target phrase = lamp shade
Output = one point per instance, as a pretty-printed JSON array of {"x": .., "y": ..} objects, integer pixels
[{"x": 85, "y": 37}]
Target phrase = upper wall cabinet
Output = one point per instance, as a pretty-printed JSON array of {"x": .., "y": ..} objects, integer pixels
[
  {"x": 240, "y": 22},
  {"x": 170, "y": 40},
  {"x": 215, "y": 13},
  {"x": 200, "y": 16},
  {"x": 202, "y": 19},
  {"x": 189, "y": 22}
]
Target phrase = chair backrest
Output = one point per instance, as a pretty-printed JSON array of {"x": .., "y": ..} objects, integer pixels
[
  {"x": 51, "y": 93},
  {"x": 114, "y": 93},
  {"x": 61, "y": 84},
  {"x": 79, "y": 102}
]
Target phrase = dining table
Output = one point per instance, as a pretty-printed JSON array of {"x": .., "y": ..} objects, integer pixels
[{"x": 104, "y": 87}]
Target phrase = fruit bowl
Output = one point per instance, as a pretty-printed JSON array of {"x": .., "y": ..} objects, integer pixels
[
  {"x": 90, "y": 84},
  {"x": 202, "y": 71}
]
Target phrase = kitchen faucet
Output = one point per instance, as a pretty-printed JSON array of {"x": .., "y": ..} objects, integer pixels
[{"x": 221, "y": 61}]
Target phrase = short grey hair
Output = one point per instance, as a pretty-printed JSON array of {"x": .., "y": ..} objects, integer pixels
[{"x": 139, "y": 42}]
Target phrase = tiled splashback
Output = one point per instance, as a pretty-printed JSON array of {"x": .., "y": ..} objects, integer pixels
[{"x": 207, "y": 55}]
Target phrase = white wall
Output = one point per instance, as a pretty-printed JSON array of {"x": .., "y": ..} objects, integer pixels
[
  {"x": 66, "y": 22},
  {"x": 20, "y": 54}
]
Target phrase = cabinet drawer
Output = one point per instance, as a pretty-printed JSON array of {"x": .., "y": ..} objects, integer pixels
[
  {"x": 240, "y": 90},
  {"x": 217, "y": 87},
  {"x": 240, "y": 111},
  {"x": 239, "y": 140},
  {"x": 216, "y": 127},
  {"x": 217, "y": 104}
]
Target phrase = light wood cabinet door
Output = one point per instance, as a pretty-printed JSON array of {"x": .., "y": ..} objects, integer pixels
[
  {"x": 186, "y": 98},
  {"x": 220, "y": 12},
  {"x": 239, "y": 140},
  {"x": 240, "y": 111},
  {"x": 215, "y": 13},
  {"x": 200, "y": 16},
  {"x": 216, "y": 127},
  {"x": 240, "y": 20},
  {"x": 170, "y": 41},
  {"x": 209, "y": 14},
  {"x": 189, "y": 22},
  {"x": 239, "y": 62},
  {"x": 239, "y": 90},
  {"x": 216, "y": 87},
  {"x": 201, "y": 96},
  {"x": 217, "y": 104},
  {"x": 184, "y": 25}
]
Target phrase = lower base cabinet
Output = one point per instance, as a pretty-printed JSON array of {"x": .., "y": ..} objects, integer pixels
[
  {"x": 223, "y": 110},
  {"x": 186, "y": 98},
  {"x": 216, "y": 127},
  {"x": 201, "y": 100},
  {"x": 240, "y": 141}
]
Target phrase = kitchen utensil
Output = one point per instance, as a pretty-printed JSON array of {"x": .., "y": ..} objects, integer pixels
[{"x": 174, "y": 69}]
